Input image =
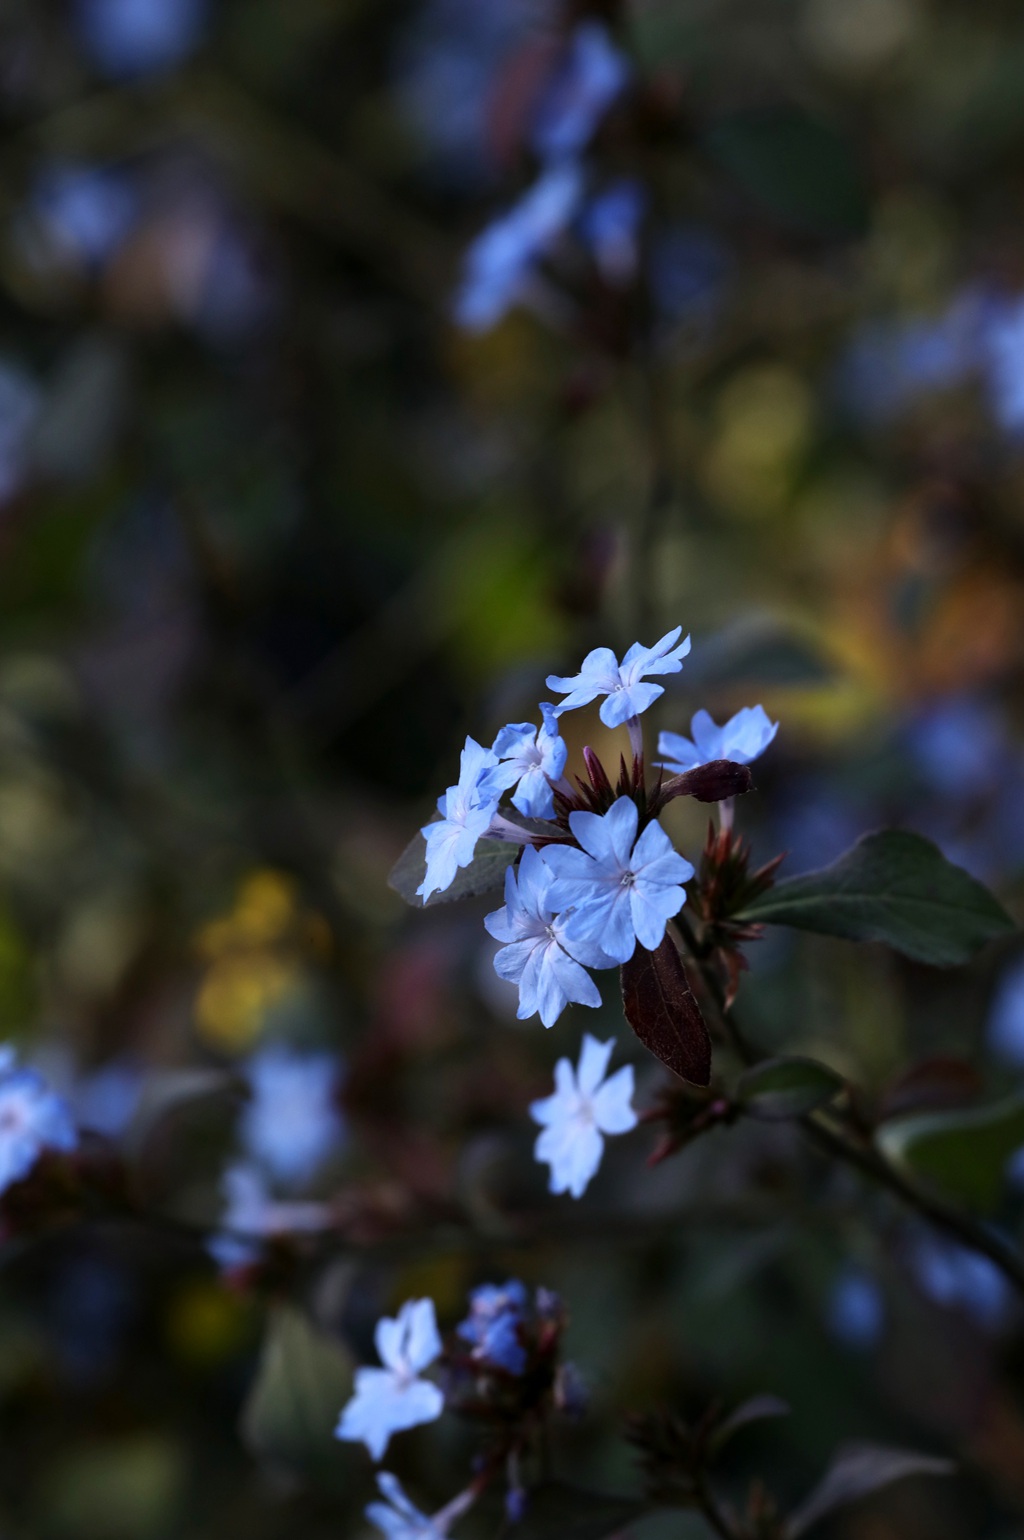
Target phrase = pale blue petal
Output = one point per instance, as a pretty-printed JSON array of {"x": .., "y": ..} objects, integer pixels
[
  {"x": 574, "y": 1154},
  {"x": 604, "y": 921},
  {"x": 549, "y": 997},
  {"x": 534, "y": 797},
  {"x": 679, "y": 753},
  {"x": 515, "y": 739},
  {"x": 594, "y": 1058},
  {"x": 511, "y": 960},
  {"x": 651, "y": 911},
  {"x": 424, "y": 1340},
  {"x": 612, "y": 1103},
  {"x": 575, "y": 982},
  {"x": 534, "y": 882},
  {"x": 746, "y": 735},
  {"x": 707, "y": 736},
  {"x": 631, "y": 702},
  {"x": 554, "y": 1108},
  {"x": 388, "y": 1339}
]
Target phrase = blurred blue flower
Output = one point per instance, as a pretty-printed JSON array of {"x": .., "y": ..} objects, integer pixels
[
  {"x": 252, "y": 1216},
  {"x": 394, "y": 1398},
  {"x": 20, "y": 403},
  {"x": 590, "y": 76},
  {"x": 500, "y": 264},
  {"x": 584, "y": 1108},
  {"x": 292, "y": 1124},
  {"x": 466, "y": 811},
  {"x": 625, "y": 694},
  {"x": 1005, "y": 1028},
  {"x": 91, "y": 1305},
  {"x": 105, "y": 1099},
  {"x": 688, "y": 269},
  {"x": 742, "y": 739},
  {"x": 492, "y": 1326},
  {"x": 530, "y": 758},
  {"x": 960, "y": 746},
  {"x": 856, "y": 1309},
  {"x": 537, "y": 956},
  {"x": 86, "y": 210},
  {"x": 123, "y": 38},
  {"x": 960, "y": 1279},
  {"x": 610, "y": 227},
  {"x": 33, "y": 1119},
  {"x": 620, "y": 892},
  {"x": 396, "y": 1517},
  {"x": 1003, "y": 343}
]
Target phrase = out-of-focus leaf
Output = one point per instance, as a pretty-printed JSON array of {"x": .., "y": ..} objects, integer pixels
[
  {"x": 963, "y": 1151},
  {"x": 757, "y": 1409},
  {"x": 759, "y": 651},
  {"x": 560, "y": 1512},
  {"x": 661, "y": 1008},
  {"x": 799, "y": 168},
  {"x": 485, "y": 872},
  {"x": 932, "y": 1085},
  {"x": 122, "y": 1489},
  {"x": 303, "y": 1380},
  {"x": 856, "y": 1471},
  {"x": 168, "y": 1093},
  {"x": 787, "y": 1088},
  {"x": 894, "y": 887}
]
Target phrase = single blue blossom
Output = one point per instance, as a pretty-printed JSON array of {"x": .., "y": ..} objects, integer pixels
[
  {"x": 394, "y": 1398},
  {"x": 531, "y": 758},
  {"x": 466, "y": 811},
  {"x": 292, "y": 1122},
  {"x": 86, "y": 210},
  {"x": 593, "y": 73},
  {"x": 397, "y": 1517},
  {"x": 252, "y": 1217},
  {"x": 742, "y": 739},
  {"x": 1003, "y": 351},
  {"x": 622, "y": 684},
  {"x": 610, "y": 227},
  {"x": 139, "y": 37},
  {"x": 856, "y": 1309},
  {"x": 500, "y": 264},
  {"x": 1005, "y": 1029},
  {"x": 584, "y": 1108},
  {"x": 492, "y": 1326},
  {"x": 537, "y": 957},
  {"x": 33, "y": 1119},
  {"x": 622, "y": 889},
  {"x": 958, "y": 1278}
]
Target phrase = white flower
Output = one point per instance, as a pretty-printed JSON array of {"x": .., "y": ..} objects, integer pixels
[
  {"x": 394, "y": 1398},
  {"x": 583, "y": 1109}
]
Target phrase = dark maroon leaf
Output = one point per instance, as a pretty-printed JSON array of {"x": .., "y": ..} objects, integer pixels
[
  {"x": 660, "y": 1007},
  {"x": 713, "y": 782}
]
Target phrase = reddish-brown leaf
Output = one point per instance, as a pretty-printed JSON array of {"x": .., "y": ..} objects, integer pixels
[{"x": 661, "y": 1008}]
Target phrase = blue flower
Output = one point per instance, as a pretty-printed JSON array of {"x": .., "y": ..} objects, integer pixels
[
  {"x": 253, "y": 1216},
  {"x": 292, "y": 1123},
  {"x": 33, "y": 1119},
  {"x": 499, "y": 265},
  {"x": 610, "y": 226},
  {"x": 394, "y": 1398},
  {"x": 957, "y": 1278},
  {"x": 466, "y": 811},
  {"x": 87, "y": 210},
  {"x": 626, "y": 696},
  {"x": 621, "y": 892},
  {"x": 396, "y": 1517},
  {"x": 1003, "y": 339},
  {"x": 530, "y": 759},
  {"x": 492, "y": 1325},
  {"x": 1005, "y": 1030},
  {"x": 593, "y": 73},
  {"x": 856, "y": 1309},
  {"x": 538, "y": 957},
  {"x": 138, "y": 37},
  {"x": 741, "y": 739},
  {"x": 583, "y": 1109}
]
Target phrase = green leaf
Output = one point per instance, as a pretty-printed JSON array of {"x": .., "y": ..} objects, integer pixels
[
  {"x": 755, "y": 1410},
  {"x": 893, "y": 887},
  {"x": 303, "y": 1380},
  {"x": 557, "y": 1511},
  {"x": 856, "y": 1471},
  {"x": 963, "y": 1151},
  {"x": 485, "y": 872},
  {"x": 794, "y": 165},
  {"x": 787, "y": 1088}
]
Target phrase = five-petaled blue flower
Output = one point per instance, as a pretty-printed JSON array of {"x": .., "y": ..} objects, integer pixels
[
  {"x": 492, "y": 1325},
  {"x": 466, "y": 810},
  {"x": 593, "y": 73},
  {"x": 531, "y": 758},
  {"x": 32, "y": 1119},
  {"x": 538, "y": 958},
  {"x": 621, "y": 889},
  {"x": 626, "y": 695},
  {"x": 743, "y": 738},
  {"x": 583, "y": 1109},
  {"x": 394, "y": 1398},
  {"x": 292, "y": 1123},
  {"x": 397, "y": 1517}
]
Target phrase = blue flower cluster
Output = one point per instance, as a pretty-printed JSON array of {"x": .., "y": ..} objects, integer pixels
[
  {"x": 502, "y": 266},
  {"x": 599, "y": 875}
]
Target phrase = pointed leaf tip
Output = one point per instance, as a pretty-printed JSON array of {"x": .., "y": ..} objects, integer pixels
[{"x": 663, "y": 1012}]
